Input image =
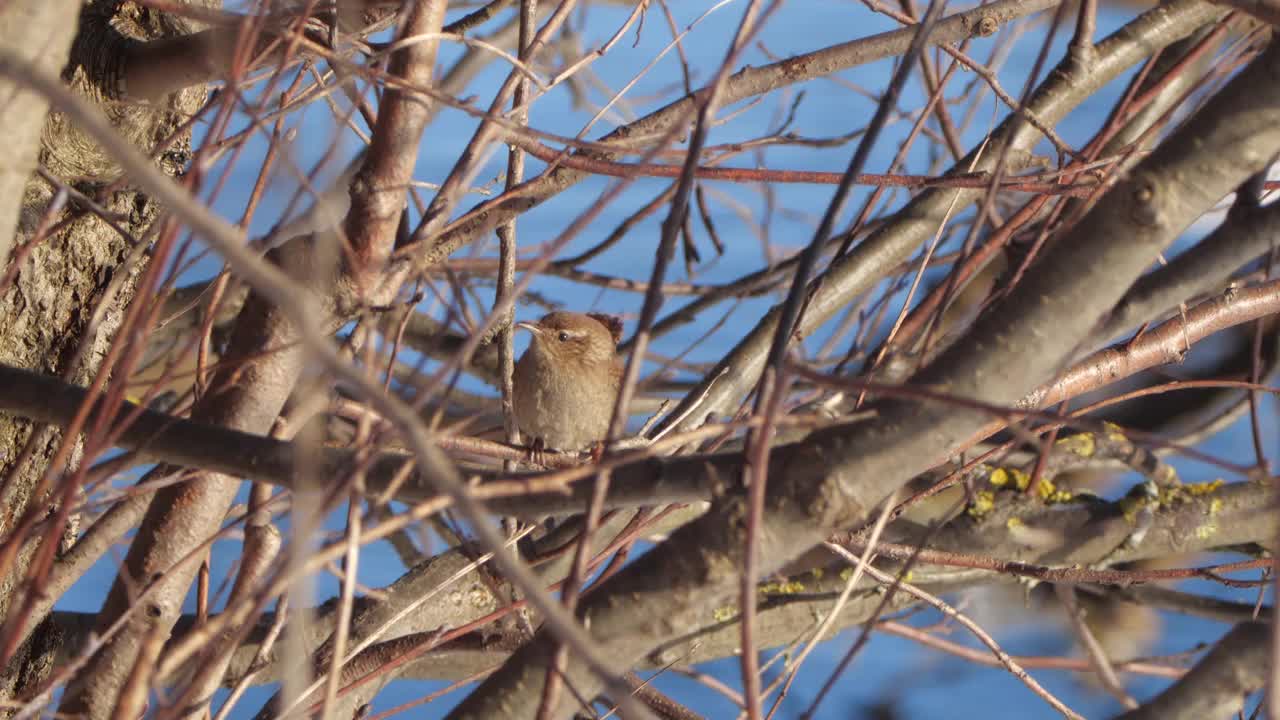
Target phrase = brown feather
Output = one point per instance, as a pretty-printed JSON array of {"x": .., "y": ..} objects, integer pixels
[{"x": 612, "y": 322}]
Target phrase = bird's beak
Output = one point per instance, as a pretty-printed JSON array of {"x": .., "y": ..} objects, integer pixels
[{"x": 531, "y": 327}]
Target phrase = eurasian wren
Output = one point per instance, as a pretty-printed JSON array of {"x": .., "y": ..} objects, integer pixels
[{"x": 566, "y": 383}]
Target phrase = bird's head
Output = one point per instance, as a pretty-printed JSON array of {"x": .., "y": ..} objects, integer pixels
[{"x": 575, "y": 339}]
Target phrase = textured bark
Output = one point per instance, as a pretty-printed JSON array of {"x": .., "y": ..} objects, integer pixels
[
  {"x": 41, "y": 32},
  {"x": 1219, "y": 684},
  {"x": 67, "y": 312},
  {"x": 60, "y": 282}
]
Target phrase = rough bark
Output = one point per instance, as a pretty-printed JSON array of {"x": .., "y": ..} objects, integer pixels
[
  {"x": 40, "y": 32},
  {"x": 87, "y": 265}
]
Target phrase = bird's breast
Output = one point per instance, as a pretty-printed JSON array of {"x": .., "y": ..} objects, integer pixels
[{"x": 567, "y": 410}]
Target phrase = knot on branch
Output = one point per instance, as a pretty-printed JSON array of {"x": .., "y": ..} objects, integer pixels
[
  {"x": 1144, "y": 201},
  {"x": 985, "y": 26}
]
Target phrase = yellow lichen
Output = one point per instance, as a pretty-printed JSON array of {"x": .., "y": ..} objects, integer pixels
[
  {"x": 1175, "y": 494},
  {"x": 983, "y": 502},
  {"x": 1115, "y": 433},
  {"x": 817, "y": 573},
  {"x": 1198, "y": 489},
  {"x": 1051, "y": 493},
  {"x": 1081, "y": 444},
  {"x": 1013, "y": 522},
  {"x": 1004, "y": 477},
  {"x": 1215, "y": 506},
  {"x": 790, "y": 587},
  {"x": 724, "y": 614},
  {"x": 1046, "y": 488}
]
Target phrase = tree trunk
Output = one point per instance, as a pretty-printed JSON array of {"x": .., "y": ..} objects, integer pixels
[{"x": 72, "y": 272}]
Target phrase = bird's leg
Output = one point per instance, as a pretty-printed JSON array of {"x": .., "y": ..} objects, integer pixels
[
  {"x": 537, "y": 452},
  {"x": 597, "y": 452}
]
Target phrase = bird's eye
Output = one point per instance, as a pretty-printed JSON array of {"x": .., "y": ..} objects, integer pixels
[{"x": 564, "y": 336}]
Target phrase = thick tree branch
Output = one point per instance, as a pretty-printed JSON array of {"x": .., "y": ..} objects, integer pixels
[
  {"x": 156, "y": 68},
  {"x": 644, "y": 479},
  {"x": 1247, "y": 233},
  {"x": 1217, "y": 686},
  {"x": 183, "y": 517},
  {"x": 1242, "y": 512},
  {"x": 839, "y": 475}
]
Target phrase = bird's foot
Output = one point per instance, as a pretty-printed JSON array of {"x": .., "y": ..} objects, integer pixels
[
  {"x": 537, "y": 453},
  {"x": 596, "y": 451}
]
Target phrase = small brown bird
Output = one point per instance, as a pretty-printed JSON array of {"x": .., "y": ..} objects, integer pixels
[{"x": 566, "y": 383}]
